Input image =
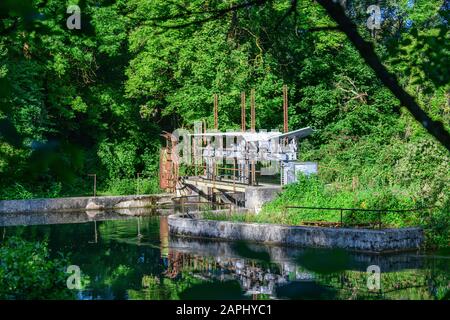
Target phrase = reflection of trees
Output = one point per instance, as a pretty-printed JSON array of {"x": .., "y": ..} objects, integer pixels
[
  {"x": 115, "y": 263},
  {"x": 253, "y": 277}
]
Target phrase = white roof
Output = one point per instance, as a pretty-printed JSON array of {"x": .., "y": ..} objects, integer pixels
[{"x": 259, "y": 136}]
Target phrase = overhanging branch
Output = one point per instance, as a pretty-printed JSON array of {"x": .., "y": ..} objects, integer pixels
[{"x": 435, "y": 128}]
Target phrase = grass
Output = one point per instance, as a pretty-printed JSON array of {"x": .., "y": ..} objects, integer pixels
[{"x": 312, "y": 192}]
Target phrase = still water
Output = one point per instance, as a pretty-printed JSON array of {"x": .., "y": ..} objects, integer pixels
[{"x": 122, "y": 256}]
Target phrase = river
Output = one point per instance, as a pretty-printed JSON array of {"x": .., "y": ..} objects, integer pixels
[{"x": 122, "y": 256}]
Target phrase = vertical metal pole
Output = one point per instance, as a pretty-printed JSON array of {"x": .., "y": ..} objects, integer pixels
[
  {"x": 216, "y": 127},
  {"x": 241, "y": 171},
  {"x": 137, "y": 183},
  {"x": 216, "y": 111},
  {"x": 285, "y": 109},
  {"x": 252, "y": 110},
  {"x": 204, "y": 144},
  {"x": 252, "y": 128},
  {"x": 243, "y": 124},
  {"x": 341, "y": 219}
]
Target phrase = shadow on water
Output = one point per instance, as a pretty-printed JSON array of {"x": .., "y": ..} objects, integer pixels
[
  {"x": 245, "y": 250},
  {"x": 305, "y": 290},
  {"x": 214, "y": 290},
  {"x": 122, "y": 256},
  {"x": 325, "y": 261}
]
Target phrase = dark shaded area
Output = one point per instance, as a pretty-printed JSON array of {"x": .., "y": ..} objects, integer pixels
[
  {"x": 244, "y": 250},
  {"x": 215, "y": 290},
  {"x": 305, "y": 290},
  {"x": 325, "y": 261}
]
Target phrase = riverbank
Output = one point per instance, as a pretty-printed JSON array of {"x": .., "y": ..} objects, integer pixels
[
  {"x": 313, "y": 198},
  {"x": 435, "y": 224}
]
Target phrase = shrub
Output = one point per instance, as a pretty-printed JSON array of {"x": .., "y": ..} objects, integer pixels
[{"x": 28, "y": 272}]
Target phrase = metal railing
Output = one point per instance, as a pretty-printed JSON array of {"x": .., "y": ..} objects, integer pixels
[
  {"x": 378, "y": 212},
  {"x": 235, "y": 177},
  {"x": 181, "y": 202}
]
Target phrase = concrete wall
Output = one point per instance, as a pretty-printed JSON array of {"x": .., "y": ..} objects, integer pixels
[
  {"x": 81, "y": 203},
  {"x": 385, "y": 240},
  {"x": 256, "y": 197}
]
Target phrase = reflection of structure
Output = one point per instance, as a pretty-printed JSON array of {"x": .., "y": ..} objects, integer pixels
[
  {"x": 254, "y": 278},
  {"x": 164, "y": 236},
  {"x": 215, "y": 260},
  {"x": 95, "y": 233}
]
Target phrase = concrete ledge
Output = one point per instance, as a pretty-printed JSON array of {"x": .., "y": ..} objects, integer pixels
[
  {"x": 81, "y": 203},
  {"x": 256, "y": 197},
  {"x": 367, "y": 240}
]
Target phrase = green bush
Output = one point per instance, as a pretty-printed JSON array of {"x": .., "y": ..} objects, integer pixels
[
  {"x": 132, "y": 186},
  {"x": 28, "y": 272},
  {"x": 15, "y": 191}
]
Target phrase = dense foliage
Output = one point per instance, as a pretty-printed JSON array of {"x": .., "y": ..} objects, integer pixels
[
  {"x": 94, "y": 100},
  {"x": 28, "y": 272}
]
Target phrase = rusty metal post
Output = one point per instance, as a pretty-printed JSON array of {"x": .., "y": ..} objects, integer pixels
[
  {"x": 243, "y": 124},
  {"x": 252, "y": 110}
]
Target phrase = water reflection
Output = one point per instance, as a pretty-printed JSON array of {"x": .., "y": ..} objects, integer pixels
[{"x": 128, "y": 256}]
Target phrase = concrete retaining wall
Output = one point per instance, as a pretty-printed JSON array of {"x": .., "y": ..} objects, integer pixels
[
  {"x": 256, "y": 197},
  {"x": 385, "y": 240},
  {"x": 81, "y": 203}
]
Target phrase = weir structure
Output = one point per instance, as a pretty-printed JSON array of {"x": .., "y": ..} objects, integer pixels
[{"x": 233, "y": 166}]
